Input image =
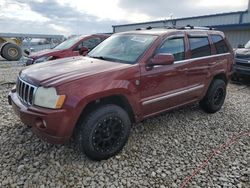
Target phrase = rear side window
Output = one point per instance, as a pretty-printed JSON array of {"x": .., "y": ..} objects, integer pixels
[
  {"x": 174, "y": 46},
  {"x": 220, "y": 44},
  {"x": 200, "y": 47}
]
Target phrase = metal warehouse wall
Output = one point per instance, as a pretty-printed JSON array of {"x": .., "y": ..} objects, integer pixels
[
  {"x": 208, "y": 20},
  {"x": 236, "y": 25},
  {"x": 238, "y": 37}
]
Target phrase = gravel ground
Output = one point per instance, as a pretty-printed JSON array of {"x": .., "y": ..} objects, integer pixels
[{"x": 161, "y": 151}]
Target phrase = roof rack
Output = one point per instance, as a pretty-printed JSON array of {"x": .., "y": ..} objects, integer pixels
[
  {"x": 201, "y": 28},
  {"x": 150, "y": 27},
  {"x": 176, "y": 27}
]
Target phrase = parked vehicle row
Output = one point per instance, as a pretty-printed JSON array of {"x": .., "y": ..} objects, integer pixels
[
  {"x": 75, "y": 46},
  {"x": 242, "y": 62},
  {"x": 128, "y": 77}
]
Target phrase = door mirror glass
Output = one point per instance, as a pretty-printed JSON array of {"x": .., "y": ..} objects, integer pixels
[
  {"x": 162, "y": 59},
  {"x": 83, "y": 49}
]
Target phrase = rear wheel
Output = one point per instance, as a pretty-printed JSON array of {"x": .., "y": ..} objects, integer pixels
[
  {"x": 11, "y": 52},
  {"x": 215, "y": 97},
  {"x": 104, "y": 132}
]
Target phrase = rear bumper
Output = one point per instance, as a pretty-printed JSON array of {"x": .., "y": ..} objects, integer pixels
[{"x": 53, "y": 126}]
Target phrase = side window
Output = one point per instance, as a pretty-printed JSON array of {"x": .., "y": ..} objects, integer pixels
[
  {"x": 220, "y": 44},
  {"x": 174, "y": 46},
  {"x": 200, "y": 47},
  {"x": 90, "y": 43}
]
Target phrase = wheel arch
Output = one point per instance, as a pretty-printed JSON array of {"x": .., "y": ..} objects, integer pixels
[
  {"x": 116, "y": 99},
  {"x": 221, "y": 76}
]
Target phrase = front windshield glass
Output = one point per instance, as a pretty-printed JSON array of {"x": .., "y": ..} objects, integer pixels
[
  {"x": 67, "y": 43},
  {"x": 123, "y": 48},
  {"x": 247, "y": 45}
]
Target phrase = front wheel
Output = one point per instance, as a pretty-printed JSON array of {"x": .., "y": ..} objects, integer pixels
[
  {"x": 104, "y": 132},
  {"x": 215, "y": 97}
]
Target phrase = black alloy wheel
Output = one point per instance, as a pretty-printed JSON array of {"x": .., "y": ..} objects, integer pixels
[{"x": 103, "y": 132}]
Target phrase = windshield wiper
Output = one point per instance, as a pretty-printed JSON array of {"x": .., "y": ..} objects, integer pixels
[
  {"x": 98, "y": 57},
  {"x": 108, "y": 59},
  {"x": 104, "y": 58}
]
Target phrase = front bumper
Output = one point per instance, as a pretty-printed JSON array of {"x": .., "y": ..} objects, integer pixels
[
  {"x": 53, "y": 126},
  {"x": 240, "y": 70},
  {"x": 29, "y": 61},
  {"x": 241, "y": 66}
]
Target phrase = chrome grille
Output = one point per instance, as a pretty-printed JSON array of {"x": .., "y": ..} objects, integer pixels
[
  {"x": 25, "y": 91},
  {"x": 243, "y": 64}
]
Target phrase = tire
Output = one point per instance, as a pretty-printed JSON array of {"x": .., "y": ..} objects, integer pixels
[
  {"x": 103, "y": 132},
  {"x": 235, "y": 78},
  {"x": 11, "y": 52},
  {"x": 215, "y": 97}
]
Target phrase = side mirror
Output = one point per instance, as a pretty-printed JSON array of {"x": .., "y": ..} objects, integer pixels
[
  {"x": 162, "y": 59},
  {"x": 241, "y": 46},
  {"x": 83, "y": 50}
]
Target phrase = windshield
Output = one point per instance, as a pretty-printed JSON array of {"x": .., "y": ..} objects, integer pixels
[
  {"x": 247, "y": 45},
  {"x": 123, "y": 48},
  {"x": 67, "y": 43}
]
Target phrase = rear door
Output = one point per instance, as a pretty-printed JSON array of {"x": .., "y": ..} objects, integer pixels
[{"x": 198, "y": 65}]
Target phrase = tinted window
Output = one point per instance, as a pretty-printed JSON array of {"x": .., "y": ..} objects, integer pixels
[
  {"x": 90, "y": 43},
  {"x": 200, "y": 47},
  {"x": 220, "y": 44},
  {"x": 67, "y": 43},
  {"x": 174, "y": 46}
]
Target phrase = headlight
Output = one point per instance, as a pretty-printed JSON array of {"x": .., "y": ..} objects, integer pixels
[
  {"x": 42, "y": 59},
  {"x": 48, "y": 98}
]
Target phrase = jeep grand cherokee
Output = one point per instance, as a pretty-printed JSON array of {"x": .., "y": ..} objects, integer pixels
[{"x": 127, "y": 78}]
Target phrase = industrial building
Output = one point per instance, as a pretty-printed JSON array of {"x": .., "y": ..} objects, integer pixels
[{"x": 235, "y": 25}]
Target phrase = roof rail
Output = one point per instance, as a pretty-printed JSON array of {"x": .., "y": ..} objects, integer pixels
[
  {"x": 176, "y": 27},
  {"x": 150, "y": 27},
  {"x": 201, "y": 28}
]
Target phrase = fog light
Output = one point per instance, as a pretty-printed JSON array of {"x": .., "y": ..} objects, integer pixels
[
  {"x": 41, "y": 123},
  {"x": 13, "y": 90}
]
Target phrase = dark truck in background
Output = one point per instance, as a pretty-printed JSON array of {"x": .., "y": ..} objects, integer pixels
[{"x": 241, "y": 68}]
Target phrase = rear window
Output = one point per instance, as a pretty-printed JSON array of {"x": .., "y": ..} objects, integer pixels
[
  {"x": 200, "y": 47},
  {"x": 220, "y": 44}
]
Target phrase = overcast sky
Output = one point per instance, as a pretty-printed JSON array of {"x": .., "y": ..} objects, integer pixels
[{"x": 94, "y": 16}]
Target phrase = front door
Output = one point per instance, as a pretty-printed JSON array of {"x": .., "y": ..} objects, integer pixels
[{"x": 162, "y": 86}]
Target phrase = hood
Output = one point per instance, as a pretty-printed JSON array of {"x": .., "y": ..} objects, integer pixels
[
  {"x": 243, "y": 52},
  {"x": 68, "y": 69},
  {"x": 42, "y": 53}
]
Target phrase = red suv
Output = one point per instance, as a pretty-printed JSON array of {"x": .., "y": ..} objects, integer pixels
[
  {"x": 127, "y": 78},
  {"x": 75, "y": 46}
]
